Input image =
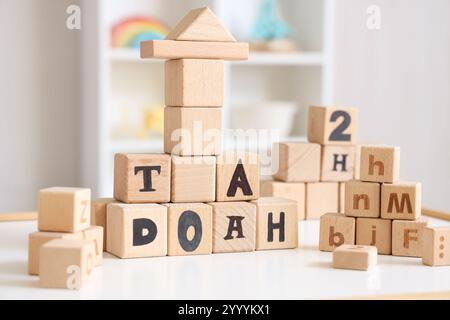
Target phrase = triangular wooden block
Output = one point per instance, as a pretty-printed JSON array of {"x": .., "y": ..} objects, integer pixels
[{"x": 200, "y": 25}]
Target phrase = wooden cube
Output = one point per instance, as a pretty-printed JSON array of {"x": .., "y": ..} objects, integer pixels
[
  {"x": 355, "y": 257},
  {"x": 66, "y": 263},
  {"x": 193, "y": 131},
  {"x": 194, "y": 83},
  {"x": 142, "y": 178},
  {"x": 98, "y": 214},
  {"x": 64, "y": 209},
  {"x": 276, "y": 223},
  {"x": 380, "y": 163},
  {"x": 374, "y": 232},
  {"x": 289, "y": 190},
  {"x": 234, "y": 227},
  {"x": 95, "y": 234},
  {"x": 341, "y": 197},
  {"x": 362, "y": 199},
  {"x": 335, "y": 230},
  {"x": 337, "y": 163},
  {"x": 189, "y": 229},
  {"x": 237, "y": 176},
  {"x": 436, "y": 246},
  {"x": 321, "y": 198},
  {"x": 296, "y": 161},
  {"x": 401, "y": 200},
  {"x": 332, "y": 125},
  {"x": 407, "y": 237},
  {"x": 136, "y": 230}
]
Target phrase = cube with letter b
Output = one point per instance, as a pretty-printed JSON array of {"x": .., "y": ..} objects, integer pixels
[{"x": 336, "y": 230}]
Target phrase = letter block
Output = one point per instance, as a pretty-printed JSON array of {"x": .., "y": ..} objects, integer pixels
[
  {"x": 374, "y": 232},
  {"x": 407, "y": 237},
  {"x": 288, "y": 190},
  {"x": 337, "y": 163},
  {"x": 276, "y": 223},
  {"x": 335, "y": 230},
  {"x": 321, "y": 198},
  {"x": 137, "y": 230},
  {"x": 436, "y": 246},
  {"x": 95, "y": 234},
  {"x": 362, "y": 199},
  {"x": 401, "y": 200},
  {"x": 142, "y": 178},
  {"x": 98, "y": 214},
  {"x": 355, "y": 257},
  {"x": 380, "y": 163},
  {"x": 342, "y": 197}
]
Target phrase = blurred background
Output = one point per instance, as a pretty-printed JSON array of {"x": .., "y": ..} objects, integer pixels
[{"x": 72, "y": 97}]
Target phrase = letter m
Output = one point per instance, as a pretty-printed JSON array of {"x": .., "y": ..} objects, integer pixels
[{"x": 399, "y": 205}]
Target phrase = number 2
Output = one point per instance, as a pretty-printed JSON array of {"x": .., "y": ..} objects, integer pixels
[{"x": 338, "y": 133}]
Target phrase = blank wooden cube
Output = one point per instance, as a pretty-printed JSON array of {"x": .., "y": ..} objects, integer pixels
[
  {"x": 362, "y": 199},
  {"x": 436, "y": 246},
  {"x": 289, "y": 190},
  {"x": 192, "y": 131},
  {"x": 98, "y": 214},
  {"x": 407, "y": 237},
  {"x": 137, "y": 230},
  {"x": 341, "y": 197},
  {"x": 142, "y": 178},
  {"x": 194, "y": 83},
  {"x": 276, "y": 223},
  {"x": 335, "y": 230},
  {"x": 66, "y": 263},
  {"x": 64, "y": 209},
  {"x": 321, "y": 198},
  {"x": 296, "y": 161},
  {"x": 237, "y": 176},
  {"x": 95, "y": 234},
  {"x": 337, "y": 163},
  {"x": 234, "y": 227},
  {"x": 332, "y": 125},
  {"x": 380, "y": 163},
  {"x": 401, "y": 200},
  {"x": 374, "y": 232},
  {"x": 189, "y": 229},
  {"x": 355, "y": 257}
]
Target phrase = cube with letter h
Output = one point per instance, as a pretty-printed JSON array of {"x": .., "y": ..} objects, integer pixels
[{"x": 379, "y": 163}]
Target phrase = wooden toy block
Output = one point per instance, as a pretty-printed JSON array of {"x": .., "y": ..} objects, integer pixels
[
  {"x": 401, "y": 200},
  {"x": 380, "y": 163},
  {"x": 189, "y": 229},
  {"x": 141, "y": 178},
  {"x": 362, "y": 199},
  {"x": 341, "y": 197},
  {"x": 194, "y": 83},
  {"x": 374, "y": 232},
  {"x": 66, "y": 263},
  {"x": 95, "y": 234},
  {"x": 335, "y": 230},
  {"x": 289, "y": 190},
  {"x": 193, "y": 179},
  {"x": 337, "y": 163},
  {"x": 136, "y": 230},
  {"x": 357, "y": 168},
  {"x": 332, "y": 125},
  {"x": 276, "y": 223},
  {"x": 407, "y": 237},
  {"x": 296, "y": 161},
  {"x": 321, "y": 198},
  {"x": 192, "y": 131},
  {"x": 98, "y": 214},
  {"x": 436, "y": 246},
  {"x": 64, "y": 209},
  {"x": 234, "y": 227},
  {"x": 237, "y": 176},
  {"x": 355, "y": 257}
]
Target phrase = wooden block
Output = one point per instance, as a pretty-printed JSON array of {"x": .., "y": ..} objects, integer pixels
[
  {"x": 341, "y": 197},
  {"x": 297, "y": 161},
  {"x": 193, "y": 179},
  {"x": 98, "y": 214},
  {"x": 362, "y": 199},
  {"x": 142, "y": 178},
  {"x": 64, "y": 209},
  {"x": 234, "y": 227},
  {"x": 374, "y": 232},
  {"x": 192, "y": 131},
  {"x": 401, "y": 200},
  {"x": 436, "y": 246},
  {"x": 288, "y": 190},
  {"x": 407, "y": 237},
  {"x": 136, "y": 230},
  {"x": 321, "y": 198},
  {"x": 66, "y": 263},
  {"x": 380, "y": 163},
  {"x": 332, "y": 125},
  {"x": 95, "y": 234},
  {"x": 237, "y": 176},
  {"x": 335, "y": 230},
  {"x": 357, "y": 168},
  {"x": 337, "y": 163},
  {"x": 189, "y": 229},
  {"x": 355, "y": 257},
  {"x": 276, "y": 223}
]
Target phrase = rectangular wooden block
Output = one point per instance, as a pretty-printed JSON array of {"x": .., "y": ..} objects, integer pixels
[
  {"x": 362, "y": 199},
  {"x": 289, "y": 190},
  {"x": 237, "y": 176},
  {"x": 95, "y": 234},
  {"x": 335, "y": 230},
  {"x": 341, "y": 197},
  {"x": 192, "y": 131},
  {"x": 64, "y": 209},
  {"x": 401, "y": 200},
  {"x": 337, "y": 163},
  {"x": 374, "y": 232},
  {"x": 332, "y": 125},
  {"x": 355, "y": 257},
  {"x": 189, "y": 229},
  {"x": 321, "y": 198},
  {"x": 234, "y": 227},
  {"x": 380, "y": 163},
  {"x": 142, "y": 178},
  {"x": 98, "y": 214},
  {"x": 407, "y": 237},
  {"x": 137, "y": 230},
  {"x": 436, "y": 246}
]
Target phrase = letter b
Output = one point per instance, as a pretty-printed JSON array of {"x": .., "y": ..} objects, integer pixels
[{"x": 335, "y": 239}]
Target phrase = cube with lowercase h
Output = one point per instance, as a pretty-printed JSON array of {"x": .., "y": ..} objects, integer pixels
[
  {"x": 288, "y": 190},
  {"x": 401, "y": 200},
  {"x": 374, "y": 232},
  {"x": 407, "y": 237},
  {"x": 436, "y": 246},
  {"x": 379, "y": 163},
  {"x": 335, "y": 230},
  {"x": 337, "y": 163},
  {"x": 362, "y": 199},
  {"x": 321, "y": 198}
]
